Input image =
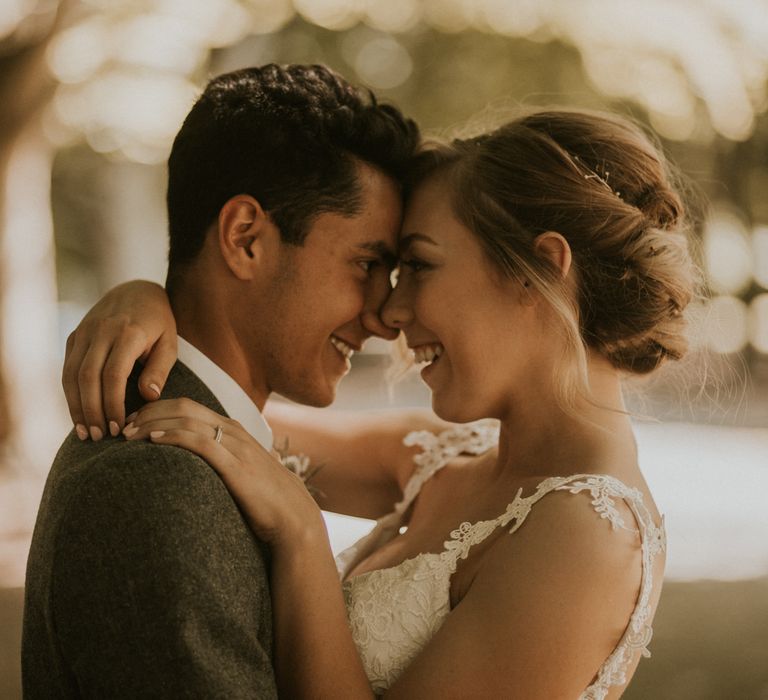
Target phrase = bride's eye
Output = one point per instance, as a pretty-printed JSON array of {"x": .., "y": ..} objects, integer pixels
[{"x": 414, "y": 264}]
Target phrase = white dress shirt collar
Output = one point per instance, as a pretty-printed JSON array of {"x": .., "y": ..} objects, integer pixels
[{"x": 229, "y": 393}]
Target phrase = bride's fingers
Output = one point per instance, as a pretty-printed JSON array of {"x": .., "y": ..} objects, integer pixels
[
  {"x": 127, "y": 348},
  {"x": 75, "y": 350},
  {"x": 158, "y": 365},
  {"x": 210, "y": 432},
  {"x": 185, "y": 408},
  {"x": 215, "y": 453},
  {"x": 89, "y": 385},
  {"x": 181, "y": 407}
]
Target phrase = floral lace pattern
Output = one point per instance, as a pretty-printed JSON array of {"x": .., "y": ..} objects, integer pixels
[
  {"x": 394, "y": 612},
  {"x": 437, "y": 450}
]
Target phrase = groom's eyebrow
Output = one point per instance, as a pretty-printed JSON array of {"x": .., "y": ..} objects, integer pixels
[{"x": 380, "y": 248}]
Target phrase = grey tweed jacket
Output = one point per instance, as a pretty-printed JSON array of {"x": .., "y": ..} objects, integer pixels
[{"x": 143, "y": 579}]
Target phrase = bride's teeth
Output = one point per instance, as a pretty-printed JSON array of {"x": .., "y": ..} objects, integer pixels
[{"x": 427, "y": 353}]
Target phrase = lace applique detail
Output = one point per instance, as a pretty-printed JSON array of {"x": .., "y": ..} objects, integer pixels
[
  {"x": 394, "y": 612},
  {"x": 438, "y": 450},
  {"x": 603, "y": 491},
  {"x": 653, "y": 540}
]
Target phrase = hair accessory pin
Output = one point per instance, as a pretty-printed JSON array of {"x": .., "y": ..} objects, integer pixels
[{"x": 595, "y": 175}]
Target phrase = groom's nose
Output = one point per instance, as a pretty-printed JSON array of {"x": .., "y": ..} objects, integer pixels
[
  {"x": 397, "y": 312},
  {"x": 377, "y": 295},
  {"x": 373, "y": 323}
]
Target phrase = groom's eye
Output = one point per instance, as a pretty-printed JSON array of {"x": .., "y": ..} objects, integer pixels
[{"x": 368, "y": 265}]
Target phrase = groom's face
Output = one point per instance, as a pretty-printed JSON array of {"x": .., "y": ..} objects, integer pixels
[{"x": 327, "y": 294}]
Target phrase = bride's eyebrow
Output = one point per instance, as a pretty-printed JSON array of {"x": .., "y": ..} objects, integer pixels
[{"x": 408, "y": 240}]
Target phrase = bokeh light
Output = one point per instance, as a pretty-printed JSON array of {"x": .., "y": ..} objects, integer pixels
[
  {"x": 392, "y": 16},
  {"x": 758, "y": 323},
  {"x": 331, "y": 14},
  {"x": 727, "y": 253},
  {"x": 383, "y": 63},
  {"x": 760, "y": 249},
  {"x": 726, "y": 325}
]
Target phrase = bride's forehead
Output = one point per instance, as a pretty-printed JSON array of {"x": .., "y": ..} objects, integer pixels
[{"x": 441, "y": 229}]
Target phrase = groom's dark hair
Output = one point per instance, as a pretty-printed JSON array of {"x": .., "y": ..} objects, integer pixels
[{"x": 288, "y": 136}]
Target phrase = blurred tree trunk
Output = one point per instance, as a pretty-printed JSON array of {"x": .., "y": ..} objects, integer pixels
[{"x": 26, "y": 87}]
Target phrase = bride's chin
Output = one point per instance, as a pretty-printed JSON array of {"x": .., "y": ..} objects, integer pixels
[{"x": 452, "y": 411}]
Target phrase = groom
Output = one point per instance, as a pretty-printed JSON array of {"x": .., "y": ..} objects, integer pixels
[{"x": 143, "y": 579}]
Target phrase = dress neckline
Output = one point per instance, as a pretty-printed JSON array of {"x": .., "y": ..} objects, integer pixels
[
  {"x": 513, "y": 511},
  {"x": 394, "y": 610}
]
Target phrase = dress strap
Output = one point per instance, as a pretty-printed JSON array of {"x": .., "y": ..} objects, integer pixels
[
  {"x": 439, "y": 449},
  {"x": 653, "y": 540},
  {"x": 436, "y": 451},
  {"x": 604, "y": 490}
]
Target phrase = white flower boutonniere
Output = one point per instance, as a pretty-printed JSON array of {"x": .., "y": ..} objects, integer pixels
[{"x": 300, "y": 465}]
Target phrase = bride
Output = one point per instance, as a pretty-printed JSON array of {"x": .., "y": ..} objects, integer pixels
[{"x": 540, "y": 264}]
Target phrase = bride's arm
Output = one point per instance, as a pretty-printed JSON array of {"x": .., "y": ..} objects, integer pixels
[
  {"x": 131, "y": 322},
  {"x": 361, "y": 461}
]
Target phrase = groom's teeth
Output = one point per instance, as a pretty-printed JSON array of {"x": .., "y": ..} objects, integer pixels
[
  {"x": 427, "y": 353},
  {"x": 342, "y": 347}
]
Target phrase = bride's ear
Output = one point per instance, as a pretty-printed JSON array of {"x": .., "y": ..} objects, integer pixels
[
  {"x": 555, "y": 248},
  {"x": 245, "y": 233}
]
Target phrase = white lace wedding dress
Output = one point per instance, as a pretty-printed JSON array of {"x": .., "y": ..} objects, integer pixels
[{"x": 393, "y": 612}]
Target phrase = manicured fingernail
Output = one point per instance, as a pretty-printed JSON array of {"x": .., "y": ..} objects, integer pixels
[
  {"x": 82, "y": 431},
  {"x": 156, "y": 389},
  {"x": 96, "y": 433},
  {"x": 130, "y": 429},
  {"x": 132, "y": 417},
  {"x": 114, "y": 428},
  {"x": 157, "y": 433}
]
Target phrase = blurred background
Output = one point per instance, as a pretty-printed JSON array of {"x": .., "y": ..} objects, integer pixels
[{"x": 93, "y": 91}]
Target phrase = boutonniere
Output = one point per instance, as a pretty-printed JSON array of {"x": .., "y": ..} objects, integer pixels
[{"x": 300, "y": 465}]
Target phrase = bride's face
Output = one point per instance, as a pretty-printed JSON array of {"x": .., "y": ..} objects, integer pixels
[{"x": 451, "y": 300}]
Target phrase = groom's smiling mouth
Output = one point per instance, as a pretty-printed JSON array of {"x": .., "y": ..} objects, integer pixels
[{"x": 344, "y": 348}]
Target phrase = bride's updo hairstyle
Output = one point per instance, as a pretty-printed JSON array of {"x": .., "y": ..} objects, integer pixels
[{"x": 601, "y": 183}]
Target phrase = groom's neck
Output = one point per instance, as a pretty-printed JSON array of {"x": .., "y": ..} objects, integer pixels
[{"x": 202, "y": 321}]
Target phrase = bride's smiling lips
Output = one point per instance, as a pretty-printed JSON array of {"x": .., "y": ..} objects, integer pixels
[{"x": 427, "y": 352}]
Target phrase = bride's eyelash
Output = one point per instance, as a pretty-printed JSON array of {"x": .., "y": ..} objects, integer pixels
[{"x": 414, "y": 264}]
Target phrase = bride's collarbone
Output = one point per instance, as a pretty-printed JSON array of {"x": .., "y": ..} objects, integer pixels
[{"x": 450, "y": 498}]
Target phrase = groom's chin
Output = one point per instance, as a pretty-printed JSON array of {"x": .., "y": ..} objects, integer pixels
[{"x": 316, "y": 396}]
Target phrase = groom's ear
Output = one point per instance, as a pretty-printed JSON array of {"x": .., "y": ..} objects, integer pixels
[{"x": 245, "y": 232}]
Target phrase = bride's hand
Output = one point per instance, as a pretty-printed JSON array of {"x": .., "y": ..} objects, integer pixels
[
  {"x": 131, "y": 322},
  {"x": 275, "y": 502}
]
